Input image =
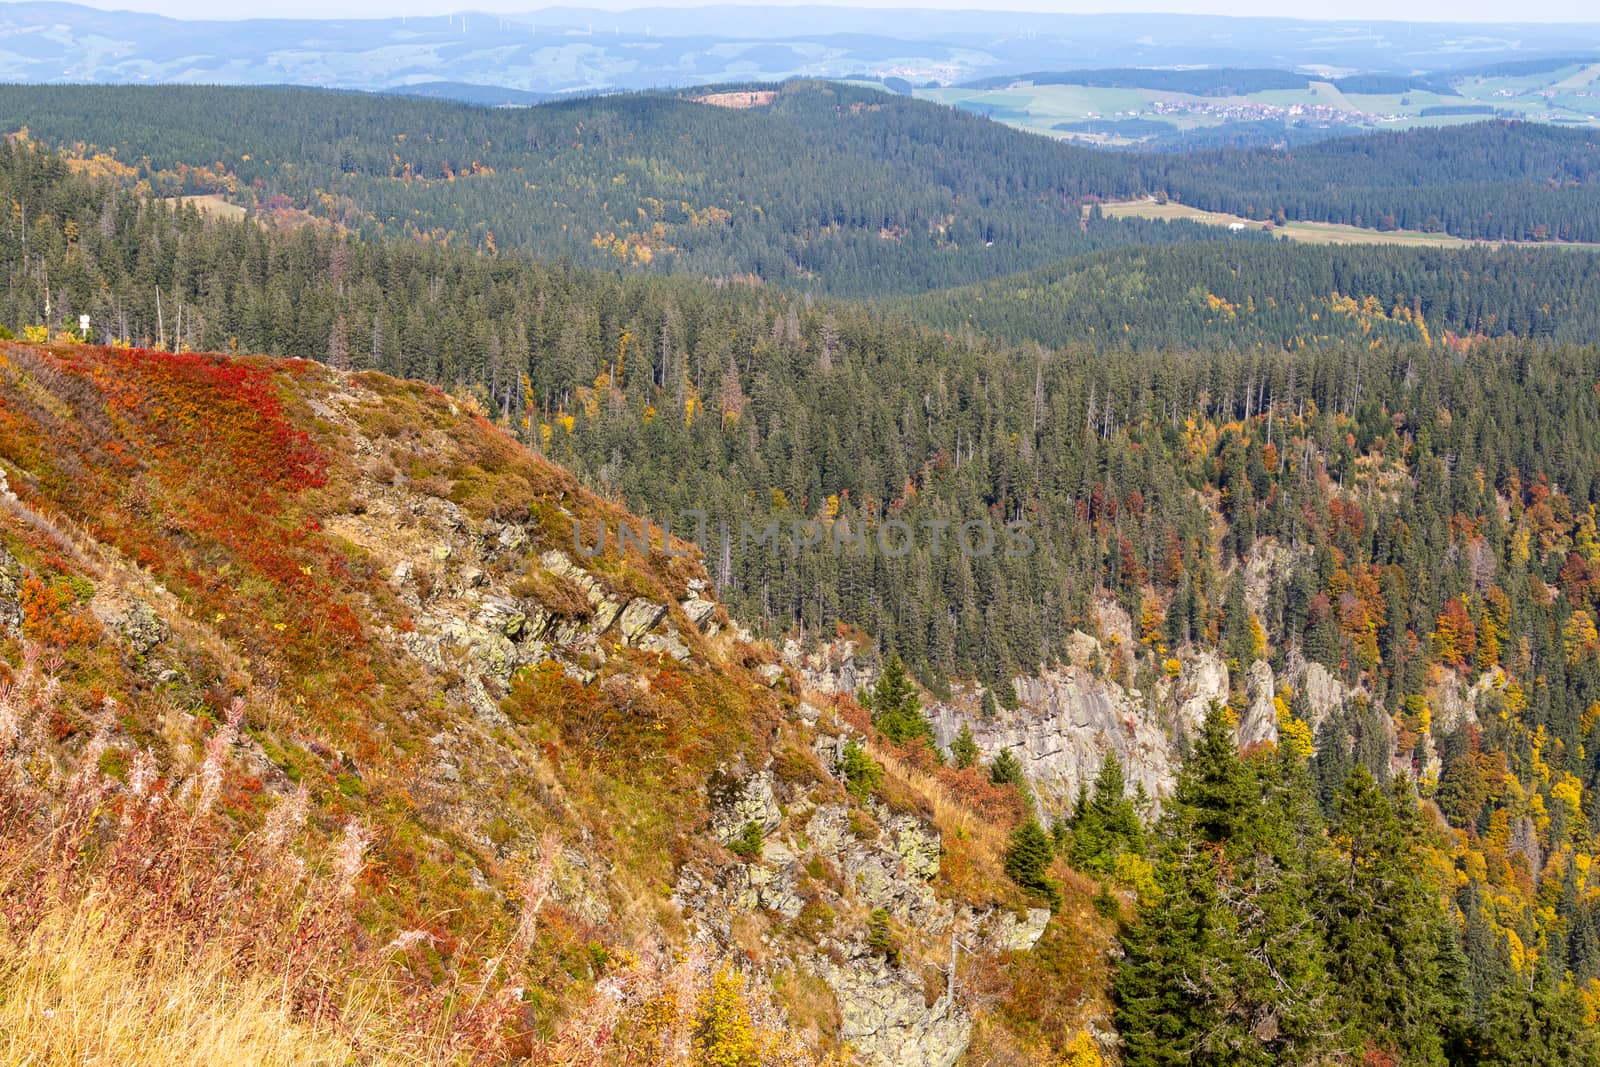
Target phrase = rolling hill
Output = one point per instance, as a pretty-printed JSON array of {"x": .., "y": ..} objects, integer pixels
[{"x": 819, "y": 186}]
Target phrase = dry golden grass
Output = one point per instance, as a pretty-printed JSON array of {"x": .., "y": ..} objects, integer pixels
[
  {"x": 948, "y": 814},
  {"x": 211, "y": 204},
  {"x": 85, "y": 987},
  {"x": 1305, "y": 232}
]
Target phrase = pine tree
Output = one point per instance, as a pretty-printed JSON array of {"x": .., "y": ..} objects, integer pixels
[
  {"x": 896, "y": 708},
  {"x": 1028, "y": 855},
  {"x": 964, "y": 749}
]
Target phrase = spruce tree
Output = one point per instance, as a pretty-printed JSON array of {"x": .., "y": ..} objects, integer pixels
[
  {"x": 1223, "y": 965},
  {"x": 1107, "y": 825},
  {"x": 964, "y": 749},
  {"x": 1028, "y": 855},
  {"x": 896, "y": 708},
  {"x": 1387, "y": 931}
]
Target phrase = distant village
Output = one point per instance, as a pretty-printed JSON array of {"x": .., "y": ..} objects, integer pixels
[{"x": 1320, "y": 114}]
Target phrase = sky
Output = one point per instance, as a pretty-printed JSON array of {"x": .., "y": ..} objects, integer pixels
[{"x": 1411, "y": 10}]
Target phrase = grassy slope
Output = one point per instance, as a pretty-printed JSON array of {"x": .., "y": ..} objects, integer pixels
[{"x": 259, "y": 509}]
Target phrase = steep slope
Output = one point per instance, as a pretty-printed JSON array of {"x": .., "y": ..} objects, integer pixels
[{"x": 303, "y": 681}]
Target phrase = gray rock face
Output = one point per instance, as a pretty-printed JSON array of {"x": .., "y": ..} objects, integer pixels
[
  {"x": 1065, "y": 722},
  {"x": 1455, "y": 703},
  {"x": 1204, "y": 682},
  {"x": 736, "y": 804},
  {"x": 475, "y": 628},
  {"x": 639, "y": 618},
  {"x": 1324, "y": 694},
  {"x": 1260, "y": 719},
  {"x": 1268, "y": 562},
  {"x": 832, "y": 668},
  {"x": 1007, "y": 933},
  {"x": 699, "y": 611}
]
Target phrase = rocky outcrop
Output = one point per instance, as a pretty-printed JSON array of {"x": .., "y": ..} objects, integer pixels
[
  {"x": 886, "y": 1018},
  {"x": 1063, "y": 725},
  {"x": 736, "y": 803},
  {"x": 1319, "y": 688},
  {"x": 833, "y": 667},
  {"x": 10, "y": 587},
  {"x": 472, "y": 626},
  {"x": 825, "y": 865},
  {"x": 700, "y": 610},
  {"x": 1009, "y": 933},
  {"x": 1454, "y": 703},
  {"x": 1202, "y": 683},
  {"x": 1269, "y": 563},
  {"x": 1260, "y": 719}
]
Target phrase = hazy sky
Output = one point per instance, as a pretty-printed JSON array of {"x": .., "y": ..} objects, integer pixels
[{"x": 1413, "y": 10}]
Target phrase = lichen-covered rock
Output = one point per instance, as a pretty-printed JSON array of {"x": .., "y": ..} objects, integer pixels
[
  {"x": 669, "y": 644},
  {"x": 1006, "y": 932},
  {"x": 917, "y": 844},
  {"x": 141, "y": 628},
  {"x": 768, "y": 886},
  {"x": 639, "y": 618},
  {"x": 503, "y": 615},
  {"x": 885, "y": 1017},
  {"x": 699, "y": 611},
  {"x": 738, "y": 802},
  {"x": 10, "y": 587}
]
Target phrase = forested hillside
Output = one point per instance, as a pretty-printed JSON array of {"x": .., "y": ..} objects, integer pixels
[
  {"x": 812, "y": 185},
  {"x": 828, "y": 186},
  {"x": 1512, "y": 181},
  {"x": 1261, "y": 294}
]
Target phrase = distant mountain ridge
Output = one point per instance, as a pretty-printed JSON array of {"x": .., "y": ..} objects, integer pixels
[{"x": 566, "y": 49}]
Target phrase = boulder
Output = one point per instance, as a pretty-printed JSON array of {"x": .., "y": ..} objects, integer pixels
[{"x": 639, "y": 618}]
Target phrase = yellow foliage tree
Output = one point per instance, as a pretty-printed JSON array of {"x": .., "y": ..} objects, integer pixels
[
  {"x": 1083, "y": 1052},
  {"x": 1292, "y": 732},
  {"x": 1152, "y": 620},
  {"x": 1580, "y": 636},
  {"x": 724, "y": 1033}
]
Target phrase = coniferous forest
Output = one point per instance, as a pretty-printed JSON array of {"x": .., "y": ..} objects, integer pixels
[{"x": 843, "y": 310}]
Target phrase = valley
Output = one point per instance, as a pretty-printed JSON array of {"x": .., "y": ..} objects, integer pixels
[{"x": 768, "y": 573}]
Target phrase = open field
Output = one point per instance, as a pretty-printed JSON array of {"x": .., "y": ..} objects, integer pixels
[
  {"x": 1322, "y": 233},
  {"x": 1569, "y": 95},
  {"x": 210, "y": 204}
]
